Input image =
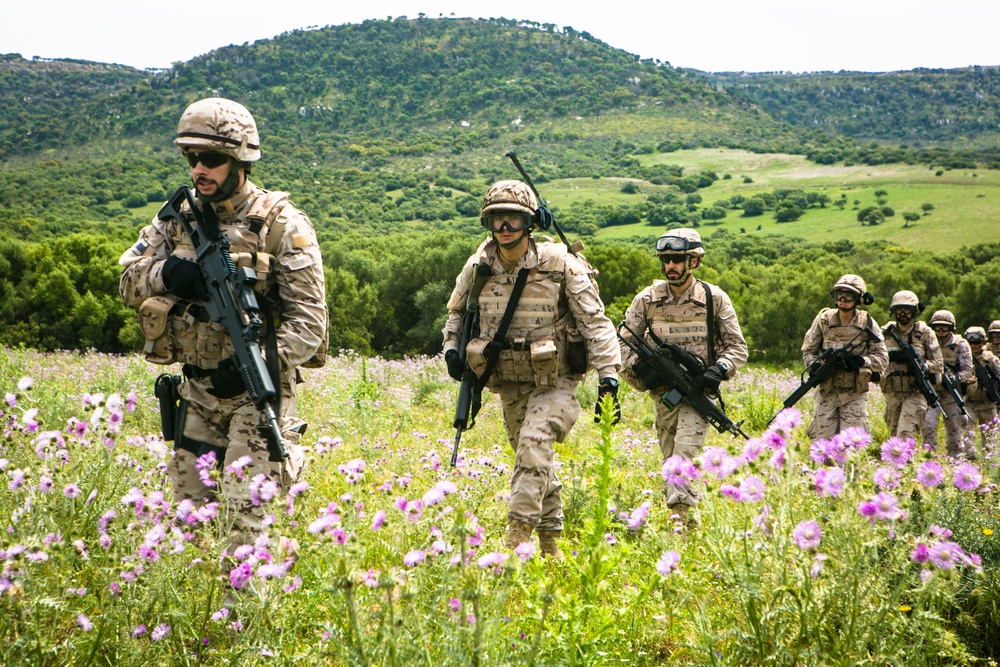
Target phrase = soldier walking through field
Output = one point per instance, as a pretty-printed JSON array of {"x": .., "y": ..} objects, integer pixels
[
  {"x": 219, "y": 423},
  {"x": 546, "y": 299},
  {"x": 982, "y": 397},
  {"x": 841, "y": 401},
  {"x": 905, "y": 405},
  {"x": 957, "y": 357},
  {"x": 697, "y": 317}
]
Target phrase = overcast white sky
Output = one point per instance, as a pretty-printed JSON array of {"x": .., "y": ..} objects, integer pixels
[{"x": 725, "y": 35}]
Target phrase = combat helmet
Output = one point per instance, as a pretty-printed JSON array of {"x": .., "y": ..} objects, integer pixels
[
  {"x": 855, "y": 284},
  {"x": 219, "y": 125},
  {"x": 684, "y": 240},
  {"x": 943, "y": 317},
  {"x": 510, "y": 196},
  {"x": 994, "y": 327},
  {"x": 975, "y": 335},
  {"x": 906, "y": 298}
]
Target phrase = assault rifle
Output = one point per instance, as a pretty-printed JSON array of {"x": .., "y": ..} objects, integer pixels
[
  {"x": 950, "y": 384},
  {"x": 230, "y": 300},
  {"x": 544, "y": 215},
  {"x": 988, "y": 380},
  {"x": 470, "y": 393},
  {"x": 681, "y": 370},
  {"x": 822, "y": 369},
  {"x": 916, "y": 366}
]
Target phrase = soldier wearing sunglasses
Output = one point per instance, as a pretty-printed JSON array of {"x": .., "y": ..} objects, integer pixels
[
  {"x": 698, "y": 317},
  {"x": 218, "y": 138}
]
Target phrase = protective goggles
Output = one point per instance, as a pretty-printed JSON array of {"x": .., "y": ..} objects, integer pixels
[
  {"x": 675, "y": 243},
  {"x": 844, "y": 294},
  {"x": 512, "y": 221},
  {"x": 207, "y": 158},
  {"x": 975, "y": 338}
]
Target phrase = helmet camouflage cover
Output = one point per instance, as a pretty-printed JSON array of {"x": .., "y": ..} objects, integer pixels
[
  {"x": 682, "y": 240},
  {"x": 511, "y": 196},
  {"x": 975, "y": 335},
  {"x": 994, "y": 327},
  {"x": 219, "y": 125},
  {"x": 943, "y": 317},
  {"x": 904, "y": 298},
  {"x": 850, "y": 282}
]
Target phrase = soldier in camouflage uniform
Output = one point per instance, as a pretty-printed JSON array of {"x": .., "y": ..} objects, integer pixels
[
  {"x": 558, "y": 314},
  {"x": 982, "y": 409},
  {"x": 697, "y": 317},
  {"x": 219, "y": 140},
  {"x": 993, "y": 344},
  {"x": 841, "y": 401},
  {"x": 904, "y": 404},
  {"x": 957, "y": 357}
]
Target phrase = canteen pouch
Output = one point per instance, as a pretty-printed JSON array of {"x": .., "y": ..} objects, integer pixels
[{"x": 544, "y": 362}]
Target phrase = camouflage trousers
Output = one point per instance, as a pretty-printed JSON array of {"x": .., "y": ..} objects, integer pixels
[
  {"x": 535, "y": 419},
  {"x": 228, "y": 429},
  {"x": 838, "y": 409},
  {"x": 954, "y": 426},
  {"x": 904, "y": 414},
  {"x": 681, "y": 432},
  {"x": 981, "y": 413}
]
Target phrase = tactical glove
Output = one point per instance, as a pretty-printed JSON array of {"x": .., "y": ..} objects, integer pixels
[
  {"x": 227, "y": 382},
  {"x": 456, "y": 369},
  {"x": 711, "y": 379},
  {"x": 647, "y": 375},
  {"x": 608, "y": 386},
  {"x": 852, "y": 363},
  {"x": 898, "y": 356},
  {"x": 183, "y": 278}
]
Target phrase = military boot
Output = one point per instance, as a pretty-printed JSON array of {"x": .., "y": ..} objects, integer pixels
[
  {"x": 683, "y": 518},
  {"x": 547, "y": 540},
  {"x": 517, "y": 532}
]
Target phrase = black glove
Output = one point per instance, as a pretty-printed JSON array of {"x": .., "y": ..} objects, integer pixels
[
  {"x": 647, "y": 375},
  {"x": 852, "y": 363},
  {"x": 226, "y": 380},
  {"x": 605, "y": 387},
  {"x": 183, "y": 278},
  {"x": 898, "y": 356},
  {"x": 711, "y": 379},
  {"x": 456, "y": 369}
]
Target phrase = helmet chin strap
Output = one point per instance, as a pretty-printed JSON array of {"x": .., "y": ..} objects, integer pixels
[
  {"x": 684, "y": 274},
  {"x": 511, "y": 244},
  {"x": 228, "y": 186}
]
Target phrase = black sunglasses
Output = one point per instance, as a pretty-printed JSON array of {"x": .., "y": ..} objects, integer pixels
[{"x": 209, "y": 159}]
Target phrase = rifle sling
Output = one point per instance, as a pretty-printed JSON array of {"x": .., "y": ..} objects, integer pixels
[
  {"x": 710, "y": 306},
  {"x": 496, "y": 345},
  {"x": 271, "y": 354}
]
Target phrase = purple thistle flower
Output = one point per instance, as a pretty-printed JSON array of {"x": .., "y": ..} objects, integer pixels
[
  {"x": 898, "y": 451},
  {"x": 887, "y": 478},
  {"x": 807, "y": 535},
  {"x": 378, "y": 520},
  {"x": 493, "y": 559},
  {"x": 71, "y": 491},
  {"x": 159, "y": 632},
  {"x": 966, "y": 477},
  {"x": 668, "y": 563},
  {"x": 139, "y": 630},
  {"x": 85, "y": 623},
  {"x": 787, "y": 419},
  {"x": 414, "y": 557},
  {"x": 854, "y": 437},
  {"x": 638, "y": 516},
  {"x": 818, "y": 451},
  {"x": 921, "y": 554},
  {"x": 525, "y": 550},
  {"x": 930, "y": 474},
  {"x": 867, "y": 509},
  {"x": 886, "y": 506},
  {"x": 946, "y": 555},
  {"x": 731, "y": 492},
  {"x": 817, "y": 565},
  {"x": 713, "y": 460},
  {"x": 938, "y": 531},
  {"x": 752, "y": 449},
  {"x": 240, "y": 575},
  {"x": 829, "y": 482},
  {"x": 752, "y": 489}
]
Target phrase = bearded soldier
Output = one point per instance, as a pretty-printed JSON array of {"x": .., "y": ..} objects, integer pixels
[
  {"x": 905, "y": 405},
  {"x": 842, "y": 400},
  {"x": 982, "y": 398},
  {"x": 218, "y": 138},
  {"x": 957, "y": 358},
  {"x": 697, "y": 317},
  {"x": 546, "y": 298}
]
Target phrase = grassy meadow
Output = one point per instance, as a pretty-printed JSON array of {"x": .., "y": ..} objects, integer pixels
[
  {"x": 844, "y": 552},
  {"x": 966, "y": 203}
]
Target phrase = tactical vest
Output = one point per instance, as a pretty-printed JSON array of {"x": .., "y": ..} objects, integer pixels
[
  {"x": 836, "y": 337},
  {"x": 949, "y": 353},
  {"x": 535, "y": 345},
  {"x": 897, "y": 378},
  {"x": 977, "y": 391},
  {"x": 685, "y": 325},
  {"x": 177, "y": 330}
]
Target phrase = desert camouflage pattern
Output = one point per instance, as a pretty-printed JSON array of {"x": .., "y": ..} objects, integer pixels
[
  {"x": 851, "y": 282},
  {"x": 509, "y": 196},
  {"x": 905, "y": 406},
  {"x": 688, "y": 234},
  {"x": 539, "y": 405},
  {"x": 982, "y": 411},
  {"x": 841, "y": 402},
  {"x": 219, "y": 125},
  {"x": 683, "y": 320},
  {"x": 294, "y": 272},
  {"x": 957, "y": 357}
]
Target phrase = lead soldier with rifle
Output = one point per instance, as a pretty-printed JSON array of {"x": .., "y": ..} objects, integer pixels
[
  {"x": 954, "y": 381},
  {"x": 699, "y": 319},
  {"x": 914, "y": 362},
  {"x": 228, "y": 280},
  {"x": 541, "y": 325},
  {"x": 982, "y": 398},
  {"x": 843, "y": 352}
]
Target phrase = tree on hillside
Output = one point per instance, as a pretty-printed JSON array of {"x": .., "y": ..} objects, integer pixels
[
  {"x": 910, "y": 216},
  {"x": 927, "y": 208}
]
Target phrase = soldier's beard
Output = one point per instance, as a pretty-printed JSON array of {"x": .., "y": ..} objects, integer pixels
[{"x": 684, "y": 275}]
